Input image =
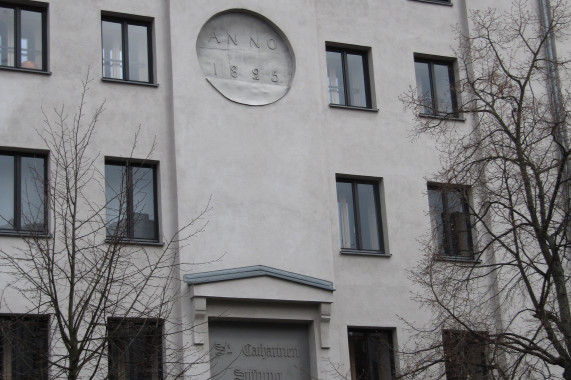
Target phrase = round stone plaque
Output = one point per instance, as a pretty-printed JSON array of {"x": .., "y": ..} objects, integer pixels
[{"x": 245, "y": 57}]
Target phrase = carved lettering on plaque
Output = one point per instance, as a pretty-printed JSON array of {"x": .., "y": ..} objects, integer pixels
[{"x": 245, "y": 57}]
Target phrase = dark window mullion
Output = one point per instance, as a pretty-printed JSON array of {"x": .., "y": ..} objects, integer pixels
[
  {"x": 150, "y": 54},
  {"x": 125, "y": 58},
  {"x": 17, "y": 37},
  {"x": 129, "y": 196},
  {"x": 367, "y": 80},
  {"x": 357, "y": 215},
  {"x": 17, "y": 193},
  {"x": 453, "y": 98},
  {"x": 345, "y": 78},
  {"x": 378, "y": 216},
  {"x": 155, "y": 204},
  {"x": 466, "y": 209}
]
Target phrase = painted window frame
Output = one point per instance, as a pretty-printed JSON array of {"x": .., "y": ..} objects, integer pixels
[
  {"x": 364, "y": 364},
  {"x": 433, "y": 106},
  {"x": 448, "y": 248},
  {"x": 129, "y": 219},
  {"x": 123, "y": 339},
  {"x": 344, "y": 51},
  {"x": 354, "y": 182},
  {"x": 125, "y": 21},
  {"x": 27, "y": 65},
  {"x": 18, "y": 194}
]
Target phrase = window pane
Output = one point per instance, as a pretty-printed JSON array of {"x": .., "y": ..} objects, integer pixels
[
  {"x": 368, "y": 217},
  {"x": 116, "y": 200},
  {"x": 443, "y": 88},
  {"x": 7, "y": 191},
  {"x": 423, "y": 86},
  {"x": 358, "y": 356},
  {"x": 143, "y": 203},
  {"x": 6, "y": 37},
  {"x": 112, "y": 50},
  {"x": 335, "y": 78},
  {"x": 357, "y": 92},
  {"x": 458, "y": 226},
  {"x": 138, "y": 53},
  {"x": 347, "y": 230},
  {"x": 31, "y": 41},
  {"x": 437, "y": 216},
  {"x": 32, "y": 187}
]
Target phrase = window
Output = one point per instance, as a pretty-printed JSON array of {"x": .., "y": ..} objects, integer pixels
[
  {"x": 435, "y": 87},
  {"x": 450, "y": 214},
  {"x": 127, "y": 49},
  {"x": 348, "y": 77},
  {"x": 464, "y": 355},
  {"x": 135, "y": 349},
  {"x": 24, "y": 347},
  {"x": 23, "y": 42},
  {"x": 22, "y": 192},
  {"x": 359, "y": 215},
  {"x": 371, "y": 354},
  {"x": 131, "y": 205}
]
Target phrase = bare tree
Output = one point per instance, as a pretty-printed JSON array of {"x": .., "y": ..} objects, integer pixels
[
  {"x": 109, "y": 299},
  {"x": 500, "y": 305}
]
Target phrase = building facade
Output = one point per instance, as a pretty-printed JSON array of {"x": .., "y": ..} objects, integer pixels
[{"x": 283, "y": 119}]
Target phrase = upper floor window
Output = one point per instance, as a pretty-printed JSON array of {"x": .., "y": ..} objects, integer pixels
[
  {"x": 348, "y": 77},
  {"x": 23, "y": 41},
  {"x": 127, "y": 49},
  {"x": 465, "y": 355},
  {"x": 131, "y": 200},
  {"x": 450, "y": 214},
  {"x": 435, "y": 87},
  {"x": 22, "y": 192},
  {"x": 135, "y": 348},
  {"x": 359, "y": 215},
  {"x": 24, "y": 347},
  {"x": 371, "y": 354}
]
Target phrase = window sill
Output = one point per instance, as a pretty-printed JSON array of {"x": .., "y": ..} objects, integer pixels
[
  {"x": 441, "y": 117},
  {"x": 333, "y": 105},
  {"x": 449, "y": 3},
  {"x": 134, "y": 242},
  {"x": 147, "y": 84},
  {"x": 459, "y": 259},
  {"x": 358, "y": 252},
  {"x": 21, "y": 70},
  {"x": 26, "y": 234}
]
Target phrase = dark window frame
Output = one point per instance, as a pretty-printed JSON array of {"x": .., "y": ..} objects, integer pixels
[
  {"x": 377, "y": 197},
  {"x": 440, "y": 2},
  {"x": 130, "y": 165},
  {"x": 121, "y": 329},
  {"x": 459, "y": 346},
  {"x": 18, "y": 193},
  {"x": 38, "y": 327},
  {"x": 433, "y": 91},
  {"x": 448, "y": 235},
  {"x": 346, "y": 84},
  {"x": 125, "y": 21},
  {"x": 368, "y": 334},
  {"x": 18, "y": 8}
]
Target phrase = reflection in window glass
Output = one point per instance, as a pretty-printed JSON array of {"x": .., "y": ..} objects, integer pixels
[
  {"x": 115, "y": 200},
  {"x": 443, "y": 88},
  {"x": 32, "y": 40},
  {"x": 143, "y": 203},
  {"x": 7, "y": 37},
  {"x": 335, "y": 78},
  {"x": 32, "y": 199},
  {"x": 112, "y": 50},
  {"x": 347, "y": 231},
  {"x": 423, "y": 85},
  {"x": 138, "y": 53},
  {"x": 7, "y": 191},
  {"x": 357, "y": 90},
  {"x": 368, "y": 217},
  {"x": 435, "y": 87}
]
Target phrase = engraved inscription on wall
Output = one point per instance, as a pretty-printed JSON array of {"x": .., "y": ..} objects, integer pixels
[
  {"x": 258, "y": 351},
  {"x": 245, "y": 57}
]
